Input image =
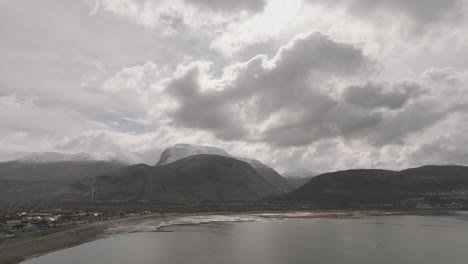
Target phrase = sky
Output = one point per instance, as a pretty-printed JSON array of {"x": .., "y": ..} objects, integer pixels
[{"x": 317, "y": 84}]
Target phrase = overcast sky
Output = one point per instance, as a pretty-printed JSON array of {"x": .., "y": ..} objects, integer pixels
[{"x": 319, "y": 84}]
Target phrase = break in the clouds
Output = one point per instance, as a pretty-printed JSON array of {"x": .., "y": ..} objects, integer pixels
[{"x": 303, "y": 83}]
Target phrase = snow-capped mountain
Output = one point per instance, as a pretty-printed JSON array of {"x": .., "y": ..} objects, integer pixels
[
  {"x": 195, "y": 178},
  {"x": 299, "y": 177},
  {"x": 38, "y": 175},
  {"x": 46, "y": 157},
  {"x": 181, "y": 151},
  {"x": 52, "y": 157}
]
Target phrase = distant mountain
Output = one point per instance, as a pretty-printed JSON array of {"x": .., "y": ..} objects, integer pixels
[
  {"x": 180, "y": 151},
  {"x": 424, "y": 186},
  {"x": 299, "y": 177},
  {"x": 50, "y": 157},
  {"x": 195, "y": 178},
  {"x": 36, "y": 176}
]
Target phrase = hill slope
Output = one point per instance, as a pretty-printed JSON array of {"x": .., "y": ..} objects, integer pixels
[
  {"x": 180, "y": 151},
  {"x": 38, "y": 177},
  {"x": 195, "y": 178},
  {"x": 429, "y": 185}
]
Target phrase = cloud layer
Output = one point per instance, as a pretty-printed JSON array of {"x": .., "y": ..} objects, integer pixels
[
  {"x": 305, "y": 83},
  {"x": 419, "y": 11}
]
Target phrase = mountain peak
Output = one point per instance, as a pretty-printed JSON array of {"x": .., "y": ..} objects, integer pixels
[
  {"x": 180, "y": 151},
  {"x": 201, "y": 177}
]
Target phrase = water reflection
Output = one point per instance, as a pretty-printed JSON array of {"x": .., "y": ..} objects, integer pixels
[{"x": 389, "y": 239}]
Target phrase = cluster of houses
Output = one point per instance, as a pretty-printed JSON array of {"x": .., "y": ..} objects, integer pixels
[
  {"x": 425, "y": 203},
  {"x": 10, "y": 225},
  {"x": 449, "y": 195}
]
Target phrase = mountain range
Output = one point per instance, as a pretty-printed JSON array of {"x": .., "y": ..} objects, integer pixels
[
  {"x": 195, "y": 178},
  {"x": 189, "y": 173},
  {"x": 52, "y": 157},
  {"x": 46, "y": 175}
]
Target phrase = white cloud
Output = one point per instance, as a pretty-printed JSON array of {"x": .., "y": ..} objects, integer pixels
[
  {"x": 27, "y": 114},
  {"x": 384, "y": 82}
]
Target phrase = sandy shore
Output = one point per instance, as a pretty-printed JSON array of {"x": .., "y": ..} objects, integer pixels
[{"x": 17, "y": 250}]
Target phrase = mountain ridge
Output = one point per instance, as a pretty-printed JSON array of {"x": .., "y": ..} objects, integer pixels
[
  {"x": 182, "y": 150},
  {"x": 428, "y": 184},
  {"x": 37, "y": 181},
  {"x": 54, "y": 156},
  {"x": 195, "y": 178}
]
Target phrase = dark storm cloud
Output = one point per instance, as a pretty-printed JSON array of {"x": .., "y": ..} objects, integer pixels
[
  {"x": 230, "y": 5},
  {"x": 381, "y": 95}
]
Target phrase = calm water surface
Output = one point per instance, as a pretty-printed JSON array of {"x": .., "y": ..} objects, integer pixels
[{"x": 389, "y": 239}]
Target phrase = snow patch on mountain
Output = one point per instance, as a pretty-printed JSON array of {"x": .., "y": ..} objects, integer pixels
[
  {"x": 181, "y": 151},
  {"x": 51, "y": 157}
]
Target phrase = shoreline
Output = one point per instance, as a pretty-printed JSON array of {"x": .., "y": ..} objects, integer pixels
[{"x": 14, "y": 251}]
